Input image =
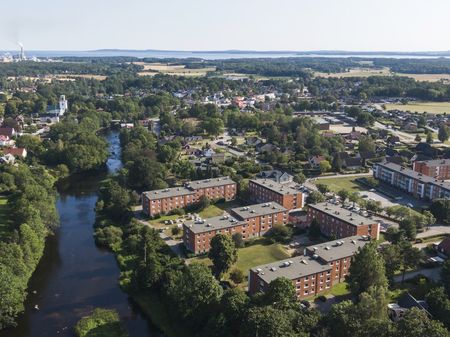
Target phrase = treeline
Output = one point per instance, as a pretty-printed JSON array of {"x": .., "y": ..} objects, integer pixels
[
  {"x": 416, "y": 66},
  {"x": 78, "y": 66},
  {"x": 32, "y": 216}
]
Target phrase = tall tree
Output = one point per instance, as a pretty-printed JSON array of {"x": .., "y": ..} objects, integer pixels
[
  {"x": 223, "y": 253},
  {"x": 443, "y": 133},
  {"x": 366, "y": 270}
]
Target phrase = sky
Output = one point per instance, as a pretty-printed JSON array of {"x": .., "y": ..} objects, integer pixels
[{"x": 296, "y": 25}]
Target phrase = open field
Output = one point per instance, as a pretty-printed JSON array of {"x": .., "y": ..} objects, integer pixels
[
  {"x": 420, "y": 107},
  {"x": 428, "y": 77},
  {"x": 347, "y": 183},
  {"x": 151, "y": 69},
  {"x": 356, "y": 72},
  {"x": 5, "y": 222}
]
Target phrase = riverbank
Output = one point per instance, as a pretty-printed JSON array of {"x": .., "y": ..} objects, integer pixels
[{"x": 75, "y": 276}]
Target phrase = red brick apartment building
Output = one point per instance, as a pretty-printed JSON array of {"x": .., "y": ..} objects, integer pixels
[
  {"x": 415, "y": 183},
  {"x": 165, "y": 200},
  {"x": 289, "y": 195},
  {"x": 334, "y": 220},
  {"x": 438, "y": 168},
  {"x": 318, "y": 270},
  {"x": 251, "y": 221}
]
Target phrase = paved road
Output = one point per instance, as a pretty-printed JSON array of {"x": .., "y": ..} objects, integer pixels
[
  {"x": 431, "y": 273},
  {"x": 434, "y": 230}
]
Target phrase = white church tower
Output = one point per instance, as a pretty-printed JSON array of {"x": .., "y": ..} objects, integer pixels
[{"x": 63, "y": 105}]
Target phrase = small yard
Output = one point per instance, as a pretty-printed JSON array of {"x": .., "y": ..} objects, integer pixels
[{"x": 347, "y": 183}]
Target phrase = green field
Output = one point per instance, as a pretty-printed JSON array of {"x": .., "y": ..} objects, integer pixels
[
  {"x": 5, "y": 221},
  {"x": 347, "y": 183},
  {"x": 420, "y": 107}
]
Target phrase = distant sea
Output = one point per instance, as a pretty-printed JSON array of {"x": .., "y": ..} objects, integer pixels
[{"x": 222, "y": 55}]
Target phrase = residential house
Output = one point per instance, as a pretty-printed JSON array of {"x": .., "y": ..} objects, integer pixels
[{"x": 16, "y": 151}]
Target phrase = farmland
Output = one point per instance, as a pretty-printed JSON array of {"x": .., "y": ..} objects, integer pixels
[
  {"x": 151, "y": 69},
  {"x": 420, "y": 107}
]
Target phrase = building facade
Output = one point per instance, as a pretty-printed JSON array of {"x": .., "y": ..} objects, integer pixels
[
  {"x": 321, "y": 267},
  {"x": 438, "y": 168},
  {"x": 165, "y": 200},
  {"x": 288, "y": 195},
  {"x": 250, "y": 221},
  {"x": 415, "y": 183},
  {"x": 337, "y": 221}
]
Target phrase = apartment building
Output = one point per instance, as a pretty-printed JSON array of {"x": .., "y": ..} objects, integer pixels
[
  {"x": 318, "y": 270},
  {"x": 165, "y": 200},
  {"x": 261, "y": 217},
  {"x": 437, "y": 168},
  {"x": 335, "y": 220},
  {"x": 289, "y": 195},
  {"x": 415, "y": 183},
  {"x": 251, "y": 221}
]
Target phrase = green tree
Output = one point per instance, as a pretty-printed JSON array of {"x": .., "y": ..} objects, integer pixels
[
  {"x": 443, "y": 133},
  {"x": 361, "y": 278},
  {"x": 101, "y": 323},
  {"x": 238, "y": 240},
  {"x": 392, "y": 260},
  {"x": 323, "y": 188},
  {"x": 429, "y": 137},
  {"x": 267, "y": 322},
  {"x": 343, "y": 194},
  {"x": 411, "y": 257},
  {"x": 300, "y": 178},
  {"x": 324, "y": 166},
  {"x": 439, "y": 305},
  {"x": 416, "y": 323},
  {"x": 314, "y": 231},
  {"x": 281, "y": 293},
  {"x": 315, "y": 197},
  {"x": 223, "y": 253},
  {"x": 441, "y": 210},
  {"x": 445, "y": 276}
]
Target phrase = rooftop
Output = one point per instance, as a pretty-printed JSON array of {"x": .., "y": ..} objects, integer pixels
[
  {"x": 415, "y": 175},
  {"x": 207, "y": 183},
  {"x": 168, "y": 192},
  {"x": 343, "y": 214},
  {"x": 338, "y": 249},
  {"x": 292, "y": 268},
  {"x": 200, "y": 225},
  {"x": 435, "y": 162},
  {"x": 258, "y": 209},
  {"x": 285, "y": 189}
]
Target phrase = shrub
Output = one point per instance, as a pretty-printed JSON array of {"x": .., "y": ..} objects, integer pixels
[
  {"x": 102, "y": 323},
  {"x": 176, "y": 230},
  {"x": 238, "y": 240},
  {"x": 237, "y": 276}
]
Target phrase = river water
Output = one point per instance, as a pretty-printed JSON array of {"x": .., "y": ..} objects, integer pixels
[{"x": 75, "y": 276}]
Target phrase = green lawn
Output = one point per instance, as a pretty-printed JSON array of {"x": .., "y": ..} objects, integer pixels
[
  {"x": 210, "y": 211},
  {"x": 251, "y": 256},
  {"x": 347, "y": 183},
  {"x": 420, "y": 107},
  {"x": 258, "y": 254},
  {"x": 5, "y": 221}
]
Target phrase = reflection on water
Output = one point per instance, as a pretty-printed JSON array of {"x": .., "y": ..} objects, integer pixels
[{"x": 74, "y": 276}]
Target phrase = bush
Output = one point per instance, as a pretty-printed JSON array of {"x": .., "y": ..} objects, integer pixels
[
  {"x": 280, "y": 233},
  {"x": 238, "y": 240},
  {"x": 177, "y": 211},
  {"x": 322, "y": 298},
  {"x": 176, "y": 230},
  {"x": 237, "y": 276},
  {"x": 102, "y": 323}
]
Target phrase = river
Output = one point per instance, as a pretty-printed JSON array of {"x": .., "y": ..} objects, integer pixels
[{"x": 75, "y": 276}]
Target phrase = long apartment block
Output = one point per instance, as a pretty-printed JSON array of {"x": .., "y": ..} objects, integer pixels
[
  {"x": 289, "y": 195},
  {"x": 321, "y": 267},
  {"x": 165, "y": 200},
  {"x": 251, "y": 221},
  {"x": 337, "y": 221},
  {"x": 415, "y": 183},
  {"x": 437, "y": 168}
]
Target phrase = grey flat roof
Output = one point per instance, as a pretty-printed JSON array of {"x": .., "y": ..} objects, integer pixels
[
  {"x": 338, "y": 249},
  {"x": 300, "y": 266},
  {"x": 286, "y": 188},
  {"x": 251, "y": 211},
  {"x": 212, "y": 224},
  {"x": 343, "y": 214},
  {"x": 213, "y": 182},
  {"x": 168, "y": 192},
  {"x": 415, "y": 175},
  {"x": 435, "y": 162}
]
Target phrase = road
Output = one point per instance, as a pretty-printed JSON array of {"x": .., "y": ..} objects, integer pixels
[
  {"x": 430, "y": 273},
  {"x": 434, "y": 230}
]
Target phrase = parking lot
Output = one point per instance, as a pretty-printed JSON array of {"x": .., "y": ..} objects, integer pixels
[{"x": 392, "y": 197}]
